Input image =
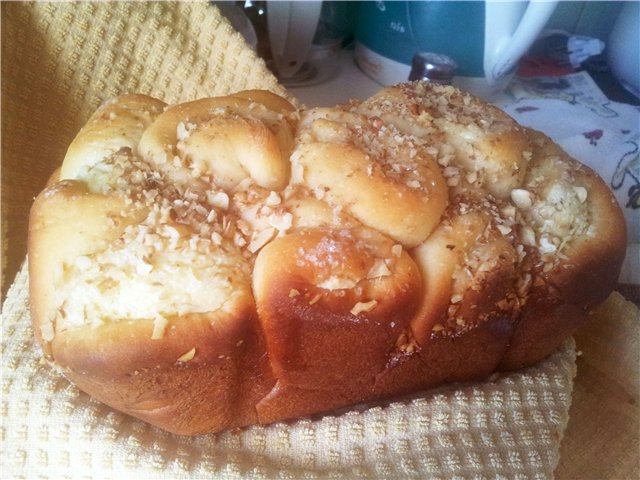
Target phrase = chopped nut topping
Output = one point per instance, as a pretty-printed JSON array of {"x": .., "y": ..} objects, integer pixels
[
  {"x": 336, "y": 282},
  {"x": 239, "y": 240},
  {"x": 191, "y": 219},
  {"x": 260, "y": 239},
  {"x": 281, "y": 222},
  {"x": 181, "y": 132},
  {"x": 521, "y": 198},
  {"x": 159, "y": 327},
  {"x": 412, "y": 183},
  {"x": 47, "y": 331},
  {"x": 82, "y": 262},
  {"x": 504, "y": 229},
  {"x": 297, "y": 173},
  {"x": 451, "y": 171},
  {"x": 187, "y": 356},
  {"x": 365, "y": 307},
  {"x": 219, "y": 199},
  {"x": 453, "y": 181},
  {"x": 508, "y": 211},
  {"x": 315, "y": 299},
  {"x": 546, "y": 246},
  {"x": 581, "y": 193},
  {"x": 471, "y": 177},
  {"x": 379, "y": 269},
  {"x": 273, "y": 199},
  {"x": 216, "y": 238},
  {"x": 456, "y": 298},
  {"x": 528, "y": 236}
]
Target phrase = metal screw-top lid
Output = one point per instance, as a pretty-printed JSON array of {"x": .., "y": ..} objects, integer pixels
[{"x": 432, "y": 66}]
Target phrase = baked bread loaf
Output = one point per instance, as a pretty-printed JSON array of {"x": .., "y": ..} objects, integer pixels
[{"x": 234, "y": 260}]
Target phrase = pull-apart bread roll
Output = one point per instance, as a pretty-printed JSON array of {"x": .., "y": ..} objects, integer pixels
[{"x": 233, "y": 260}]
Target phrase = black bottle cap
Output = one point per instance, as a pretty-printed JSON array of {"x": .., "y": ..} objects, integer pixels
[{"x": 432, "y": 66}]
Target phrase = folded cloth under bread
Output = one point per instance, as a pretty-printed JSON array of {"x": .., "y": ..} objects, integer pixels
[{"x": 508, "y": 427}]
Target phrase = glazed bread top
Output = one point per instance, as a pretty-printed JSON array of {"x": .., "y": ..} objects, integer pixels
[{"x": 346, "y": 240}]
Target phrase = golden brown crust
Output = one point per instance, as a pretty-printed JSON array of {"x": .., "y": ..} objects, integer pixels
[
  {"x": 232, "y": 260},
  {"x": 468, "y": 268},
  {"x": 488, "y": 146},
  {"x": 466, "y": 356},
  {"x": 388, "y": 182},
  {"x": 232, "y": 138},
  {"x": 319, "y": 308},
  {"x": 566, "y": 287},
  {"x": 118, "y": 123},
  {"x": 206, "y": 373}
]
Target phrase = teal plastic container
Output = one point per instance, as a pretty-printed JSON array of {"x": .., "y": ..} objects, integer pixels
[
  {"x": 486, "y": 39},
  {"x": 397, "y": 30}
]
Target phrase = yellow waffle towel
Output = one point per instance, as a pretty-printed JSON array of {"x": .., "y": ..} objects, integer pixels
[
  {"x": 507, "y": 428},
  {"x": 59, "y": 62}
]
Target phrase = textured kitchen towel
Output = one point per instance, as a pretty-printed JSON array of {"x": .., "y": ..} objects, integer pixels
[
  {"x": 59, "y": 61},
  {"x": 509, "y": 427}
]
